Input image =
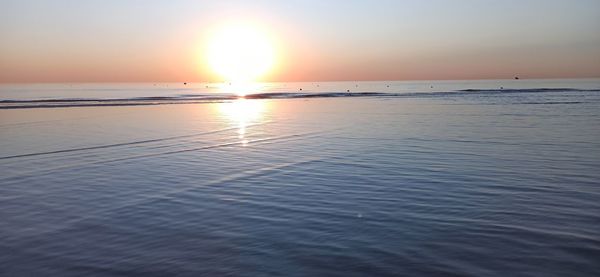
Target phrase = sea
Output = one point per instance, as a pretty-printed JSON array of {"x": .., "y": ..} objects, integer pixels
[{"x": 396, "y": 178}]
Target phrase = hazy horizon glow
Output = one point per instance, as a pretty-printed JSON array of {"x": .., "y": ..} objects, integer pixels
[{"x": 152, "y": 41}]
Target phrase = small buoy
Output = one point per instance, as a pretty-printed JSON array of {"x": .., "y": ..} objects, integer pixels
[
  {"x": 501, "y": 87},
  {"x": 300, "y": 88},
  {"x": 431, "y": 87},
  {"x": 347, "y": 90},
  {"x": 516, "y": 77},
  {"x": 185, "y": 83},
  {"x": 388, "y": 86}
]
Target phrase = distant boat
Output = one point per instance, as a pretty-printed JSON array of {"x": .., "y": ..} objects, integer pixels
[{"x": 516, "y": 77}]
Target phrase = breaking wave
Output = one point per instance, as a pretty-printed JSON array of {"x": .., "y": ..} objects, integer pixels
[{"x": 212, "y": 98}]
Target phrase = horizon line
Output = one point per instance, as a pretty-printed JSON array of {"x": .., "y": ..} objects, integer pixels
[{"x": 304, "y": 81}]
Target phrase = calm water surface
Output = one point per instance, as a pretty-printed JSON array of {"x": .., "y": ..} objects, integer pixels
[{"x": 444, "y": 183}]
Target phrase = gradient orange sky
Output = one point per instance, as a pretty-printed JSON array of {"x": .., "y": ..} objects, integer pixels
[{"x": 157, "y": 41}]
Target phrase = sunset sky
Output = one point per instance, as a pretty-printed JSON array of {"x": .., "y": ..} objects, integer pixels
[{"x": 154, "y": 41}]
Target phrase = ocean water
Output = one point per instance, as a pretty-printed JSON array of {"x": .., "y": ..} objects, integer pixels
[{"x": 446, "y": 178}]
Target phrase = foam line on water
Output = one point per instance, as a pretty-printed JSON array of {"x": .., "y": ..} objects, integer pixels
[
  {"x": 214, "y": 146},
  {"x": 123, "y": 144},
  {"x": 165, "y": 194}
]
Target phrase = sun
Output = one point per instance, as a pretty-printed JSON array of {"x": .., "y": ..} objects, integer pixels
[{"x": 240, "y": 53}]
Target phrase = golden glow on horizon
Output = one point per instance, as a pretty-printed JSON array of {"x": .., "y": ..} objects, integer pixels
[
  {"x": 240, "y": 53},
  {"x": 243, "y": 112}
]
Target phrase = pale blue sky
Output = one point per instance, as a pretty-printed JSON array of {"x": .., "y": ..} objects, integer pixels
[{"x": 147, "y": 40}]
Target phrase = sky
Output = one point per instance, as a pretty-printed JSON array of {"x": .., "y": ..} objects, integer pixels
[{"x": 324, "y": 40}]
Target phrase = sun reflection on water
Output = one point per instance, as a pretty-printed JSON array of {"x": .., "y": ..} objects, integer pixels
[
  {"x": 240, "y": 89},
  {"x": 242, "y": 113}
]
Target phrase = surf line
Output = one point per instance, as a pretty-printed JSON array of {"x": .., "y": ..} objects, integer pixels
[
  {"x": 214, "y": 146},
  {"x": 126, "y": 143}
]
